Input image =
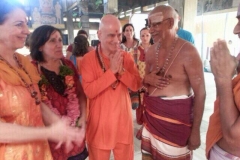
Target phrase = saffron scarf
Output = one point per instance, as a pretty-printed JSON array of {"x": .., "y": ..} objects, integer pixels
[
  {"x": 214, "y": 133},
  {"x": 9, "y": 76}
]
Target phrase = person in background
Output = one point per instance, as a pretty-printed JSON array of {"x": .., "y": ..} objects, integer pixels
[
  {"x": 70, "y": 47},
  {"x": 223, "y": 134},
  {"x": 184, "y": 34},
  {"x": 23, "y": 134},
  {"x": 80, "y": 48},
  {"x": 60, "y": 87},
  {"x": 27, "y": 42},
  {"x": 142, "y": 49},
  {"x": 27, "y": 45},
  {"x": 172, "y": 110},
  {"x": 107, "y": 73},
  {"x": 129, "y": 42},
  {"x": 145, "y": 37}
]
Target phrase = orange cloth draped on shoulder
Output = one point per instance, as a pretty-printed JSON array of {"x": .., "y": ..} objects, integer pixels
[
  {"x": 110, "y": 116},
  {"x": 79, "y": 59},
  {"x": 18, "y": 107},
  {"x": 214, "y": 133},
  {"x": 9, "y": 76}
]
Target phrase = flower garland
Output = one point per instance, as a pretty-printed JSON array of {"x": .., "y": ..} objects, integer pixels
[{"x": 67, "y": 75}]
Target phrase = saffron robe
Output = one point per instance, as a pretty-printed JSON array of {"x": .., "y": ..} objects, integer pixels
[
  {"x": 214, "y": 133},
  {"x": 110, "y": 116},
  {"x": 18, "y": 107}
]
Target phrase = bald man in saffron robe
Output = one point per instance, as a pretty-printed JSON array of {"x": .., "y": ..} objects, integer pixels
[{"x": 107, "y": 74}]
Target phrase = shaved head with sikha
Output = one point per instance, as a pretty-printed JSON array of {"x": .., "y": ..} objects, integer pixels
[
  {"x": 110, "y": 34},
  {"x": 163, "y": 23},
  {"x": 159, "y": 13}
]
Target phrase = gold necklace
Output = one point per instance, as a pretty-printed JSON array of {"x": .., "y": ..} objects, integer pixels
[
  {"x": 30, "y": 86},
  {"x": 161, "y": 71}
]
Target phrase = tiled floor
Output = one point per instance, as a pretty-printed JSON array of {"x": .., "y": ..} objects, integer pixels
[{"x": 198, "y": 154}]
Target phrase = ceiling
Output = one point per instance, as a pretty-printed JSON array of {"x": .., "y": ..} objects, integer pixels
[{"x": 96, "y": 7}]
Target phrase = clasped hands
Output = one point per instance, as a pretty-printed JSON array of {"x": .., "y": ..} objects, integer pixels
[
  {"x": 63, "y": 134},
  {"x": 156, "y": 80},
  {"x": 223, "y": 64},
  {"x": 116, "y": 62}
]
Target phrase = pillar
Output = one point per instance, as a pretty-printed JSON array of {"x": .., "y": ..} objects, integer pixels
[
  {"x": 190, "y": 12},
  {"x": 83, "y": 13},
  {"x": 70, "y": 26}
]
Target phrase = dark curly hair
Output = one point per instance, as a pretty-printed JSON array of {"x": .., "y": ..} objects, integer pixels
[
  {"x": 80, "y": 46},
  {"x": 38, "y": 38},
  {"x": 123, "y": 30}
]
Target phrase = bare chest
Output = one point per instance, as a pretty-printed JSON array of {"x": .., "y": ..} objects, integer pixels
[{"x": 164, "y": 61}]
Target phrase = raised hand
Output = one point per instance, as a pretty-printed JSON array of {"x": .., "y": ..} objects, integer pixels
[
  {"x": 223, "y": 64},
  {"x": 116, "y": 61}
]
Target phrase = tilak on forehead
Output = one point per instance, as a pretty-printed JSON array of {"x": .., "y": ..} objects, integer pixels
[{"x": 156, "y": 17}]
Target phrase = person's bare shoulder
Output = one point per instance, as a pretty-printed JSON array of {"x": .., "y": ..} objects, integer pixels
[
  {"x": 189, "y": 56},
  {"x": 187, "y": 49}
]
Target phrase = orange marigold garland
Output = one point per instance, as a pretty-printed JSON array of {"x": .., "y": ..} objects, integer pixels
[{"x": 67, "y": 75}]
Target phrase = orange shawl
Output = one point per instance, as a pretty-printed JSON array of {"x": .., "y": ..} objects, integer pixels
[
  {"x": 214, "y": 133},
  {"x": 10, "y": 76}
]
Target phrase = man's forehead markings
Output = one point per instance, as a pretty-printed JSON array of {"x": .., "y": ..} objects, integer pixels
[{"x": 156, "y": 17}]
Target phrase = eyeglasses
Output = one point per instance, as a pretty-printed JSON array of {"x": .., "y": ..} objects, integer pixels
[{"x": 156, "y": 25}]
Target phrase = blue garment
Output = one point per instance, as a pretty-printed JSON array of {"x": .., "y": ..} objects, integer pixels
[
  {"x": 186, "y": 35},
  {"x": 74, "y": 61}
]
